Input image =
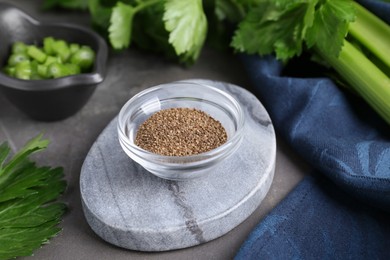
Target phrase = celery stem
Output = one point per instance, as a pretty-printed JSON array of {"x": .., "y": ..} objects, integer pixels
[
  {"x": 369, "y": 81},
  {"x": 372, "y": 32}
]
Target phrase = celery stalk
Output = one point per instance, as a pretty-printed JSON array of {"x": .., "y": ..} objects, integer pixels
[
  {"x": 372, "y": 32},
  {"x": 363, "y": 76}
]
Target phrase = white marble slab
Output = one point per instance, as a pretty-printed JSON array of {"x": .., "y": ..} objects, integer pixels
[{"x": 131, "y": 208}]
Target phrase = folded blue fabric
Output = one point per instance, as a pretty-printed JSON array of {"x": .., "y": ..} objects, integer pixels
[
  {"x": 334, "y": 131},
  {"x": 347, "y": 213},
  {"x": 318, "y": 221}
]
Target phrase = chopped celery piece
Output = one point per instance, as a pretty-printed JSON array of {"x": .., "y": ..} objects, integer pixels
[
  {"x": 84, "y": 57},
  {"x": 35, "y": 53},
  {"x": 23, "y": 70},
  {"x": 53, "y": 70},
  {"x": 10, "y": 71},
  {"x": 48, "y": 45},
  {"x": 42, "y": 70},
  {"x": 50, "y": 60},
  {"x": 16, "y": 58},
  {"x": 34, "y": 70},
  {"x": 62, "y": 50},
  {"x": 57, "y": 58},
  {"x": 19, "y": 47},
  {"x": 56, "y": 70},
  {"x": 71, "y": 69},
  {"x": 74, "y": 47}
]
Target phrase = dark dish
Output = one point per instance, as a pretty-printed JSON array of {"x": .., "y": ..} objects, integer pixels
[{"x": 51, "y": 99}]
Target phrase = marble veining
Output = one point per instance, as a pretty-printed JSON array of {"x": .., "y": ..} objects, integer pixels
[
  {"x": 129, "y": 207},
  {"x": 190, "y": 219}
]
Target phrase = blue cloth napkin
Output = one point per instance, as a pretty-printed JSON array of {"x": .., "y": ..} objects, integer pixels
[
  {"x": 343, "y": 210},
  {"x": 319, "y": 221}
]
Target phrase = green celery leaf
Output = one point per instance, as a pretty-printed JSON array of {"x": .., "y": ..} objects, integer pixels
[
  {"x": 20, "y": 185},
  {"x": 187, "y": 24},
  {"x": 330, "y": 25},
  {"x": 34, "y": 217},
  {"x": 100, "y": 14},
  {"x": 149, "y": 32},
  {"x": 121, "y": 25},
  {"x": 230, "y": 10},
  {"x": 9, "y": 186},
  {"x": 23, "y": 241},
  {"x": 4, "y": 151},
  {"x": 32, "y": 146},
  {"x": 222, "y": 15},
  {"x": 275, "y": 27},
  {"x": 28, "y": 207},
  {"x": 29, "y": 214}
]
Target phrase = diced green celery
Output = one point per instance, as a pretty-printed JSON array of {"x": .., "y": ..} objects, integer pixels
[
  {"x": 84, "y": 58},
  {"x": 23, "y": 70},
  {"x": 19, "y": 47},
  {"x": 62, "y": 50},
  {"x": 10, "y": 71},
  {"x": 16, "y": 58},
  {"x": 37, "y": 54},
  {"x": 34, "y": 70},
  {"x": 42, "y": 70},
  {"x": 72, "y": 69},
  {"x": 48, "y": 45},
  {"x": 50, "y": 60},
  {"x": 53, "y": 60},
  {"x": 56, "y": 70},
  {"x": 74, "y": 47}
]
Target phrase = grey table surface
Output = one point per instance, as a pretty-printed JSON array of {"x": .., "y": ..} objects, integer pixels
[{"x": 128, "y": 73}]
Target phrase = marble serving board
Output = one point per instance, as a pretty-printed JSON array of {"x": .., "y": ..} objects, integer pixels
[{"x": 131, "y": 208}]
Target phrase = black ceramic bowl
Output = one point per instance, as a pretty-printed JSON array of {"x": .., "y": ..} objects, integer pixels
[{"x": 51, "y": 99}]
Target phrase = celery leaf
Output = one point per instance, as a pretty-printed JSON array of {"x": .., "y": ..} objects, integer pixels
[
  {"x": 285, "y": 27},
  {"x": 121, "y": 25},
  {"x": 331, "y": 26},
  {"x": 230, "y": 10},
  {"x": 100, "y": 15},
  {"x": 187, "y": 26},
  {"x": 29, "y": 214},
  {"x": 275, "y": 27}
]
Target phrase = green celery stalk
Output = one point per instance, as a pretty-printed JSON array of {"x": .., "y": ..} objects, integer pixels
[
  {"x": 371, "y": 32},
  {"x": 368, "y": 80}
]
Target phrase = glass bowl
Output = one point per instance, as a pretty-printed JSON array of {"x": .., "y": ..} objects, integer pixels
[{"x": 215, "y": 102}]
